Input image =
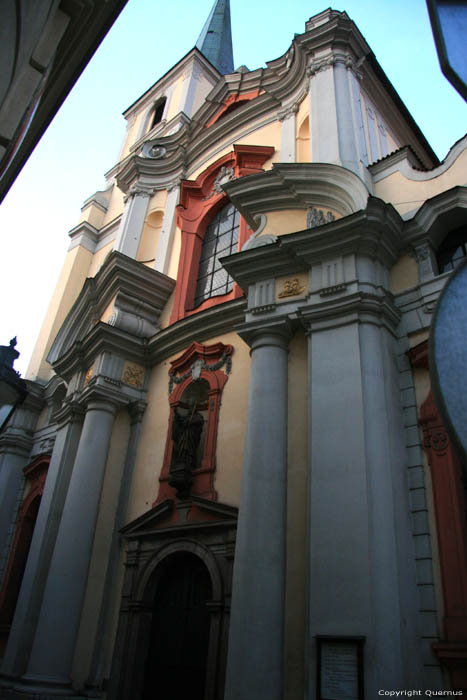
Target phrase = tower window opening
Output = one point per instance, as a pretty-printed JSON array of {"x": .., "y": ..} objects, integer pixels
[{"x": 158, "y": 111}]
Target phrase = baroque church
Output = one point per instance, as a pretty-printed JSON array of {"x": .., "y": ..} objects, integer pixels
[{"x": 229, "y": 478}]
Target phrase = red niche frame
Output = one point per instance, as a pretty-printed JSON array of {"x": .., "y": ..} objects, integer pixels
[
  {"x": 210, "y": 355},
  {"x": 451, "y": 527},
  {"x": 199, "y": 202},
  {"x": 35, "y": 474}
]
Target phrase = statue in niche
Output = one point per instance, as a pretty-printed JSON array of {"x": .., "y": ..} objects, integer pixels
[{"x": 187, "y": 429}]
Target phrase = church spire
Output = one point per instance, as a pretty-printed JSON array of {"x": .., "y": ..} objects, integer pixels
[{"x": 215, "y": 41}]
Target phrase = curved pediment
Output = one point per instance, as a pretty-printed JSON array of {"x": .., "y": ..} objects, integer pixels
[{"x": 298, "y": 186}]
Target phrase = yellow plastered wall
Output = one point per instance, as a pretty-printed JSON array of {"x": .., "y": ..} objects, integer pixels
[
  {"x": 404, "y": 274},
  {"x": 150, "y": 455},
  {"x": 269, "y": 135},
  {"x": 101, "y": 550},
  {"x": 303, "y": 133},
  {"x": 71, "y": 280},
  {"x": 115, "y": 206},
  {"x": 409, "y": 195},
  {"x": 230, "y": 438},
  {"x": 99, "y": 257},
  {"x": 93, "y": 214},
  {"x": 279, "y": 223},
  {"x": 232, "y": 423},
  {"x": 295, "y": 594}
]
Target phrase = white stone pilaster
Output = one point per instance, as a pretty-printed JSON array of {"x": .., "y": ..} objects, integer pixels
[
  {"x": 189, "y": 89},
  {"x": 255, "y": 662},
  {"x": 52, "y": 651},
  {"x": 288, "y": 118},
  {"x": 132, "y": 223},
  {"x": 361, "y": 571},
  {"x": 164, "y": 248},
  {"x": 335, "y": 129}
]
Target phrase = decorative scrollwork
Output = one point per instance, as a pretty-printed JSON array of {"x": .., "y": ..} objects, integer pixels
[{"x": 197, "y": 367}]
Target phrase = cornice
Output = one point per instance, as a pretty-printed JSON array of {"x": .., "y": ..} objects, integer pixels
[
  {"x": 100, "y": 338},
  {"x": 375, "y": 232},
  {"x": 360, "y": 307},
  {"x": 298, "y": 186},
  {"x": 437, "y": 216},
  {"x": 84, "y": 234},
  {"x": 405, "y": 161},
  {"x": 212, "y": 322},
  {"x": 144, "y": 287}
]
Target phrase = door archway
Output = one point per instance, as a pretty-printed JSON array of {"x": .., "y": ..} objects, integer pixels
[{"x": 178, "y": 644}]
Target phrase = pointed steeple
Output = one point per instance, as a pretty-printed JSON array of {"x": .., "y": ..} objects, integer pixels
[{"x": 215, "y": 41}]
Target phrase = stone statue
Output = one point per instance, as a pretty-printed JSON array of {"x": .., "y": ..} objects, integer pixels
[
  {"x": 8, "y": 354},
  {"x": 186, "y": 436}
]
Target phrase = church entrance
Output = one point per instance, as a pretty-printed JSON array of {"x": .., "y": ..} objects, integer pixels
[{"x": 178, "y": 646}]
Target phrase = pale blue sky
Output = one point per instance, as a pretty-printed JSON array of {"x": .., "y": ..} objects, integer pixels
[{"x": 149, "y": 37}]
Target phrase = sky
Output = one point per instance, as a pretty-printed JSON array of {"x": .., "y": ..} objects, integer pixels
[{"x": 149, "y": 37}]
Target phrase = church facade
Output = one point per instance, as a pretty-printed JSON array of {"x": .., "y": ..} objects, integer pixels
[{"x": 229, "y": 478}]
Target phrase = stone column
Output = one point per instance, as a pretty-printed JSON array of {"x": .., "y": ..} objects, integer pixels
[
  {"x": 103, "y": 636},
  {"x": 164, "y": 247},
  {"x": 132, "y": 223},
  {"x": 52, "y": 652},
  {"x": 255, "y": 657},
  {"x": 45, "y": 531}
]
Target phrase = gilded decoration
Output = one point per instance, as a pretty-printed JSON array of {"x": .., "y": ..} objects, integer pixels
[
  {"x": 88, "y": 375},
  {"x": 292, "y": 287},
  {"x": 133, "y": 374}
]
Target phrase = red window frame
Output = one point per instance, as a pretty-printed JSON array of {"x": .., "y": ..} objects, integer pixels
[{"x": 199, "y": 202}]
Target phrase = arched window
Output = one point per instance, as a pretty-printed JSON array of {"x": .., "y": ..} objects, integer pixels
[
  {"x": 158, "y": 112},
  {"x": 220, "y": 240},
  {"x": 452, "y": 250}
]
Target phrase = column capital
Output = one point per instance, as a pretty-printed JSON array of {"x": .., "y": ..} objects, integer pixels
[
  {"x": 97, "y": 397},
  {"x": 70, "y": 412},
  {"x": 136, "y": 410},
  {"x": 139, "y": 190},
  {"x": 359, "y": 307},
  {"x": 274, "y": 332}
]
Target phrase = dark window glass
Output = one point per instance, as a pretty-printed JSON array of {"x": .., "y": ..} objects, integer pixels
[
  {"x": 220, "y": 240},
  {"x": 158, "y": 112},
  {"x": 452, "y": 250}
]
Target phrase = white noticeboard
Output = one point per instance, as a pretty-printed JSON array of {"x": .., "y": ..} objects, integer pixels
[{"x": 339, "y": 671}]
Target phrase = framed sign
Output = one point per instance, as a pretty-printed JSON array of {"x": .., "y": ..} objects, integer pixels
[{"x": 340, "y": 668}]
